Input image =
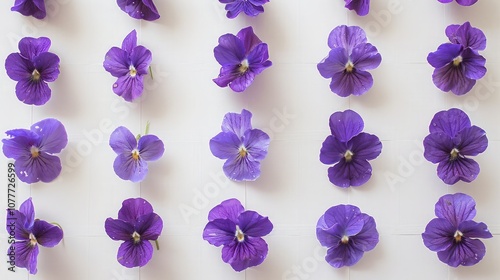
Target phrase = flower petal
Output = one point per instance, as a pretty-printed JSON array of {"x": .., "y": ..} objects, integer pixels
[
  {"x": 444, "y": 55},
  {"x": 133, "y": 208},
  {"x": 117, "y": 62},
  {"x": 241, "y": 82},
  {"x": 356, "y": 83},
  {"x": 467, "y": 252},
  {"x": 346, "y": 37},
  {"x": 249, "y": 39},
  {"x": 140, "y": 58},
  {"x": 128, "y": 87},
  {"x": 48, "y": 65},
  {"x": 150, "y": 147},
  {"x": 345, "y": 125},
  {"x": 228, "y": 209},
  {"x": 450, "y": 122},
  {"x": 241, "y": 168},
  {"x": 330, "y": 237},
  {"x": 149, "y": 226},
  {"x": 473, "y": 64},
  {"x": 438, "y": 234},
  {"x": 464, "y": 169},
  {"x": 365, "y": 146},
  {"x": 365, "y": 57},
  {"x": 32, "y": 47},
  {"x": 335, "y": 62},
  {"x": 130, "y": 42},
  {"x": 456, "y": 208},
  {"x": 230, "y": 51},
  {"x": 468, "y": 36},
  {"x": 220, "y": 232},
  {"x": 253, "y": 224},
  {"x": 346, "y": 216},
  {"x": 43, "y": 168},
  {"x": 354, "y": 173},
  {"x": 472, "y": 229},
  {"x": 47, "y": 235},
  {"x": 332, "y": 150},
  {"x": 18, "y": 68},
  {"x": 20, "y": 143},
  {"x": 225, "y": 145},
  {"x": 118, "y": 229},
  {"x": 28, "y": 211},
  {"x": 18, "y": 225},
  {"x": 362, "y": 7},
  {"x": 128, "y": 168},
  {"x": 35, "y": 8},
  {"x": 437, "y": 147},
  {"x": 242, "y": 255},
  {"x": 122, "y": 140},
  {"x": 33, "y": 92},
  {"x": 471, "y": 141},
  {"x": 237, "y": 123},
  {"x": 53, "y": 136},
  {"x": 368, "y": 237},
  {"x": 451, "y": 78},
  {"x": 26, "y": 255},
  {"x": 132, "y": 254},
  {"x": 343, "y": 255},
  {"x": 256, "y": 143}
]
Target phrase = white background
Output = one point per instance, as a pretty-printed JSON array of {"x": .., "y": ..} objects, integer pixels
[{"x": 290, "y": 101}]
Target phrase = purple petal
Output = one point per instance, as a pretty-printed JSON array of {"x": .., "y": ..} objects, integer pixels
[
  {"x": 362, "y": 7},
  {"x": 249, "y": 39},
  {"x": 228, "y": 209},
  {"x": 451, "y": 78},
  {"x": 130, "y": 42},
  {"x": 242, "y": 255},
  {"x": 133, "y": 208},
  {"x": 330, "y": 237},
  {"x": 343, "y": 255},
  {"x": 28, "y": 210},
  {"x": 150, "y": 147},
  {"x": 346, "y": 37},
  {"x": 18, "y": 68},
  {"x": 467, "y": 252},
  {"x": 117, "y": 62},
  {"x": 47, "y": 235},
  {"x": 346, "y": 83},
  {"x": 43, "y": 168},
  {"x": 466, "y": 2},
  {"x": 254, "y": 225},
  {"x": 149, "y": 226},
  {"x": 118, "y": 229},
  {"x": 469, "y": 36},
  {"x": 258, "y": 59},
  {"x": 132, "y": 254},
  {"x": 451, "y": 31},
  {"x": 48, "y": 65},
  {"x": 365, "y": 57},
  {"x": 26, "y": 255},
  {"x": 18, "y": 225},
  {"x": 228, "y": 74},
  {"x": 33, "y": 92},
  {"x": 365, "y": 146},
  {"x": 471, "y": 141},
  {"x": 444, "y": 55},
  {"x": 150, "y": 11},
  {"x": 354, "y": 173},
  {"x": 230, "y": 51},
  {"x": 473, "y": 64},
  {"x": 20, "y": 143},
  {"x": 219, "y": 232},
  {"x": 225, "y": 145},
  {"x": 241, "y": 168},
  {"x": 332, "y": 150},
  {"x": 456, "y": 208},
  {"x": 35, "y": 8},
  {"x": 128, "y": 87},
  {"x": 242, "y": 81},
  {"x": 237, "y": 123},
  {"x": 347, "y": 216},
  {"x": 438, "y": 235},
  {"x": 32, "y": 47},
  {"x": 128, "y": 168},
  {"x": 122, "y": 140},
  {"x": 256, "y": 143},
  {"x": 143, "y": 9},
  {"x": 368, "y": 237},
  {"x": 345, "y": 125},
  {"x": 437, "y": 147},
  {"x": 335, "y": 62},
  {"x": 472, "y": 229},
  {"x": 53, "y": 136},
  {"x": 140, "y": 58},
  {"x": 450, "y": 122},
  {"x": 464, "y": 169}
]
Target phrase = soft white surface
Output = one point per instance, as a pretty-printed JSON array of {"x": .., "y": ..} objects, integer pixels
[{"x": 185, "y": 109}]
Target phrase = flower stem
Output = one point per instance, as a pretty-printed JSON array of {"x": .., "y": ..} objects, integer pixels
[
  {"x": 157, "y": 245},
  {"x": 147, "y": 128},
  {"x": 151, "y": 72}
]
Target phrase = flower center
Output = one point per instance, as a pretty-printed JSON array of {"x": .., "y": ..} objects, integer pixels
[
  {"x": 240, "y": 236},
  {"x": 348, "y": 156},
  {"x": 454, "y": 154},
  {"x": 33, "y": 241},
  {"x": 242, "y": 152},
  {"x": 349, "y": 67},
  {"x": 35, "y": 152},
  {"x": 243, "y": 66},
  {"x": 135, "y": 154},
  {"x": 136, "y": 237},
  {"x": 132, "y": 71},
  {"x": 345, "y": 239},
  {"x": 458, "y": 236},
  {"x": 457, "y": 60},
  {"x": 35, "y": 75}
]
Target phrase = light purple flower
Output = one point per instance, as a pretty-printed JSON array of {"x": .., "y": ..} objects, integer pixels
[
  {"x": 361, "y": 7},
  {"x": 133, "y": 154},
  {"x": 347, "y": 233},
  {"x": 33, "y": 150},
  {"x": 452, "y": 140},
  {"x": 242, "y": 57},
  {"x": 453, "y": 234},
  {"x": 348, "y": 61},
  {"x": 458, "y": 64},
  {"x": 349, "y": 149},
  {"x": 239, "y": 232},
  {"x": 29, "y": 233},
  {"x": 129, "y": 64},
  {"x": 461, "y": 2},
  {"x": 139, "y": 9},
  {"x": 32, "y": 68},
  {"x": 241, "y": 146},
  {"x": 35, "y": 8},
  {"x": 249, "y": 7},
  {"x": 136, "y": 225}
]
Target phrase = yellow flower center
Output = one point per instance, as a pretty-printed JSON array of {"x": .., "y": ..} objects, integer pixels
[
  {"x": 33, "y": 241},
  {"x": 454, "y": 154},
  {"x": 345, "y": 239},
  {"x": 348, "y": 156},
  {"x": 135, "y": 154},
  {"x": 349, "y": 67},
  {"x": 132, "y": 71},
  {"x": 242, "y": 152},
  {"x": 458, "y": 236},
  {"x": 136, "y": 237},
  {"x": 243, "y": 67},
  {"x": 35, "y": 152},
  {"x": 457, "y": 60},
  {"x": 35, "y": 75},
  {"x": 240, "y": 236}
]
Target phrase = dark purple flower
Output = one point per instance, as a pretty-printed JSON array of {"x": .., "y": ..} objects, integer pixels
[
  {"x": 134, "y": 153},
  {"x": 29, "y": 233},
  {"x": 136, "y": 225},
  {"x": 32, "y": 68},
  {"x": 349, "y": 149},
  {"x": 452, "y": 140},
  {"x": 241, "y": 146},
  {"x": 347, "y": 233},
  {"x": 467, "y": 36},
  {"x": 362, "y": 7},
  {"x": 35, "y": 8},
  {"x": 242, "y": 57},
  {"x": 349, "y": 58},
  {"x": 461, "y": 2},
  {"x": 239, "y": 232},
  {"x": 33, "y": 150},
  {"x": 249, "y": 7},
  {"x": 129, "y": 64},
  {"x": 453, "y": 234},
  {"x": 139, "y": 9}
]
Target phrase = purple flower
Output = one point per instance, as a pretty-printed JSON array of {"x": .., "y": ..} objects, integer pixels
[
  {"x": 458, "y": 64},
  {"x": 139, "y": 9},
  {"x": 129, "y": 64},
  {"x": 29, "y": 233},
  {"x": 134, "y": 153},
  {"x": 461, "y": 2},
  {"x": 349, "y": 58},
  {"x": 242, "y": 57},
  {"x": 241, "y": 146},
  {"x": 349, "y": 150},
  {"x": 362, "y": 7},
  {"x": 451, "y": 141},
  {"x": 347, "y": 233},
  {"x": 453, "y": 234},
  {"x": 249, "y": 7},
  {"x": 239, "y": 232},
  {"x": 136, "y": 225},
  {"x": 35, "y": 8},
  {"x": 33, "y": 150},
  {"x": 32, "y": 68}
]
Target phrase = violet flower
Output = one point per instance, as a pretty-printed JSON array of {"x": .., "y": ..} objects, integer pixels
[
  {"x": 348, "y": 61},
  {"x": 458, "y": 64},
  {"x": 241, "y": 146},
  {"x": 32, "y": 68},
  {"x": 242, "y": 57},
  {"x": 35, "y": 8},
  {"x": 33, "y": 150},
  {"x": 139, "y": 9},
  {"x": 249, "y": 7},
  {"x": 136, "y": 225},
  {"x": 129, "y": 64},
  {"x": 361, "y": 7},
  {"x": 461, "y": 2},
  {"x": 349, "y": 149},
  {"x": 452, "y": 140},
  {"x": 239, "y": 232},
  {"x": 453, "y": 234},
  {"x": 29, "y": 233},
  {"x": 134, "y": 153},
  {"x": 347, "y": 233}
]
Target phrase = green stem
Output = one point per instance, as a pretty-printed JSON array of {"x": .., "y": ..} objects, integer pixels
[
  {"x": 147, "y": 128},
  {"x": 151, "y": 72},
  {"x": 157, "y": 245}
]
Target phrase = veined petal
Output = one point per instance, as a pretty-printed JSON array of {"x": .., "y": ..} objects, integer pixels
[
  {"x": 365, "y": 146},
  {"x": 47, "y": 235},
  {"x": 28, "y": 211},
  {"x": 368, "y": 237},
  {"x": 365, "y": 57},
  {"x": 43, "y": 168},
  {"x": 347, "y": 217},
  {"x": 332, "y": 150},
  {"x": 19, "y": 143},
  {"x": 472, "y": 229},
  {"x": 473, "y": 64},
  {"x": 330, "y": 237},
  {"x": 33, "y": 92},
  {"x": 225, "y": 145},
  {"x": 117, "y": 62},
  {"x": 140, "y": 58},
  {"x": 248, "y": 37},
  {"x": 230, "y": 51},
  {"x": 354, "y": 173},
  {"x": 35, "y": 8},
  {"x": 53, "y": 136},
  {"x": 345, "y": 125},
  {"x": 130, "y": 42},
  {"x": 133, "y": 208},
  {"x": 128, "y": 168},
  {"x": 242, "y": 255},
  {"x": 118, "y": 229},
  {"x": 149, "y": 226},
  {"x": 18, "y": 225},
  {"x": 444, "y": 55},
  {"x": 335, "y": 62},
  {"x": 128, "y": 87},
  {"x": 237, "y": 123},
  {"x": 241, "y": 82},
  {"x": 450, "y": 122},
  {"x": 150, "y": 12},
  {"x": 452, "y": 78},
  {"x": 227, "y": 74},
  {"x": 143, "y": 9},
  {"x": 471, "y": 141},
  {"x": 362, "y": 7},
  {"x": 464, "y": 169},
  {"x": 48, "y": 65},
  {"x": 466, "y": 2},
  {"x": 257, "y": 58},
  {"x": 150, "y": 147},
  {"x": 468, "y": 36},
  {"x": 26, "y": 255},
  {"x": 241, "y": 168},
  {"x": 256, "y": 143},
  {"x": 253, "y": 224},
  {"x": 456, "y": 208},
  {"x": 356, "y": 83},
  {"x": 122, "y": 140},
  {"x": 18, "y": 68},
  {"x": 346, "y": 37},
  {"x": 343, "y": 255},
  {"x": 228, "y": 209},
  {"x": 132, "y": 254},
  {"x": 437, "y": 147},
  {"x": 31, "y": 47},
  {"x": 467, "y": 252},
  {"x": 220, "y": 232},
  {"x": 438, "y": 234}
]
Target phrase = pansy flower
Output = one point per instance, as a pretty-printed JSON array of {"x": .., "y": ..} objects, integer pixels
[
  {"x": 361, "y": 7},
  {"x": 347, "y": 233},
  {"x": 349, "y": 149},
  {"x": 348, "y": 61},
  {"x": 139, "y": 9},
  {"x": 461, "y": 2},
  {"x": 249, "y": 7},
  {"x": 136, "y": 225},
  {"x": 33, "y": 150},
  {"x": 241, "y": 146},
  {"x": 32, "y": 68},
  {"x": 458, "y": 64},
  {"x": 134, "y": 153},
  {"x": 35, "y": 8},
  {"x": 129, "y": 64},
  {"x": 453, "y": 234},
  {"x": 239, "y": 232},
  {"x": 242, "y": 57},
  {"x": 452, "y": 140},
  {"x": 29, "y": 233}
]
